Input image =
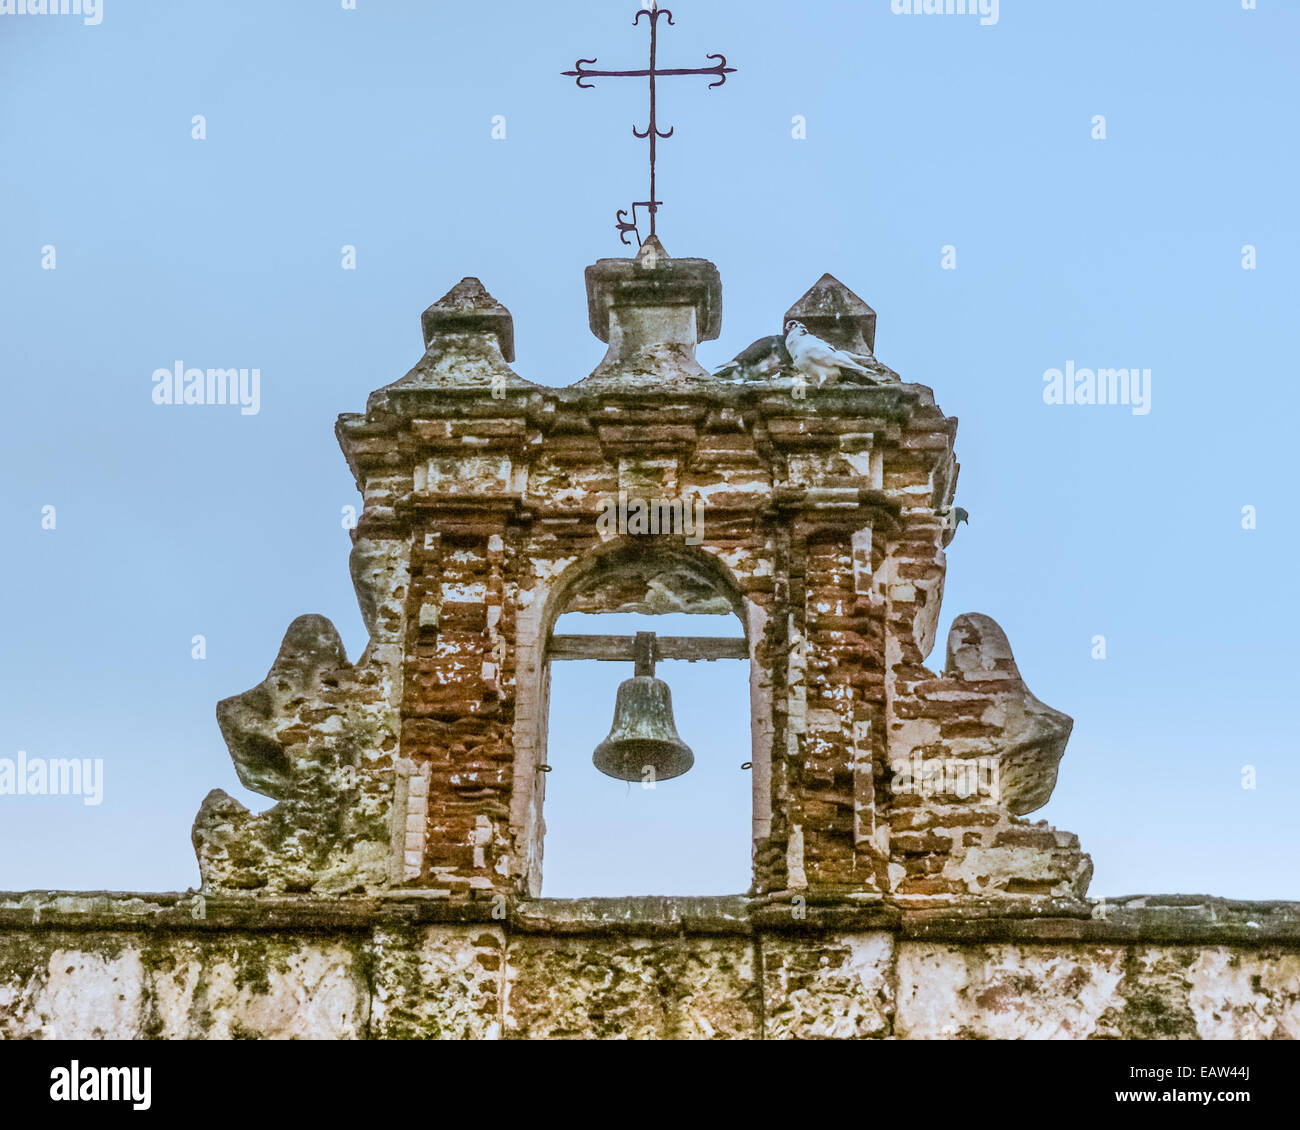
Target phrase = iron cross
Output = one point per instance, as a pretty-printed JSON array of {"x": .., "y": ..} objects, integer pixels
[{"x": 652, "y": 131}]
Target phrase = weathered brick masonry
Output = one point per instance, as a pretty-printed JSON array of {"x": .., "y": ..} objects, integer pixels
[{"x": 394, "y": 883}]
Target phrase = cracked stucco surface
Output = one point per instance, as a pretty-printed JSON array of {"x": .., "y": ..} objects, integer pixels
[{"x": 126, "y": 967}]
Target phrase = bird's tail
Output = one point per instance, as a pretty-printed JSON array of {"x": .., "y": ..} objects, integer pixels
[{"x": 856, "y": 366}]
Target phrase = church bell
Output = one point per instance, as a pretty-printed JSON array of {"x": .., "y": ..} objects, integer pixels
[{"x": 643, "y": 735}]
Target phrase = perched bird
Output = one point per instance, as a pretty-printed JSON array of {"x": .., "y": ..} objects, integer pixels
[
  {"x": 953, "y": 517},
  {"x": 765, "y": 358},
  {"x": 820, "y": 361}
]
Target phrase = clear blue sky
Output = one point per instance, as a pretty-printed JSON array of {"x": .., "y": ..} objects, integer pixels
[{"x": 373, "y": 127}]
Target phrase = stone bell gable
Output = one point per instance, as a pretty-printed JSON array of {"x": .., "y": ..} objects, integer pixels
[{"x": 825, "y": 513}]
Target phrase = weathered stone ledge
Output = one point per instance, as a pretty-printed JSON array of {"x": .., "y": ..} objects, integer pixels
[
  {"x": 389, "y": 407},
  {"x": 1172, "y": 919}
]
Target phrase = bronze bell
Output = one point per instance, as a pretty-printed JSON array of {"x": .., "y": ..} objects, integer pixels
[{"x": 643, "y": 734}]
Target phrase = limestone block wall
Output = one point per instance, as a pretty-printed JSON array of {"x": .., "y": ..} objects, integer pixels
[{"x": 184, "y": 966}]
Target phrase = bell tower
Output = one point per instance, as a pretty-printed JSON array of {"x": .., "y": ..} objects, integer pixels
[{"x": 824, "y": 510}]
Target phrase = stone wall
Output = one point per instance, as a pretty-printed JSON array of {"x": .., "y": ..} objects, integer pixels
[
  {"x": 182, "y": 966},
  {"x": 897, "y": 890}
]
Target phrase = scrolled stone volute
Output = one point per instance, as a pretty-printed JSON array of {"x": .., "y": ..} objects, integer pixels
[
  {"x": 252, "y": 723},
  {"x": 1031, "y": 736}
]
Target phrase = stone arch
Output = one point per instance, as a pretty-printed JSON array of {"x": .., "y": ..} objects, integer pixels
[
  {"x": 625, "y": 574},
  {"x": 668, "y": 577}
]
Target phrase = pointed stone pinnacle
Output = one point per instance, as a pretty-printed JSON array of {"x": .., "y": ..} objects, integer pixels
[
  {"x": 467, "y": 308},
  {"x": 834, "y": 313},
  {"x": 652, "y": 251}
]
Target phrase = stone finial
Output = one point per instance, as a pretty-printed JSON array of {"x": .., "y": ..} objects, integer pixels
[
  {"x": 834, "y": 313},
  {"x": 469, "y": 340},
  {"x": 468, "y": 308},
  {"x": 653, "y": 311}
]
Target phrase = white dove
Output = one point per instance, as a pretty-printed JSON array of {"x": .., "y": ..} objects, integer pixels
[{"x": 819, "y": 360}]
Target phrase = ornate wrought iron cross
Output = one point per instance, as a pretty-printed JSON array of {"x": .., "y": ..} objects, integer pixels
[{"x": 652, "y": 131}]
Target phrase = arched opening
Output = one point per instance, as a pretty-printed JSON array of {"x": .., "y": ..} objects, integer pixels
[{"x": 690, "y": 835}]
